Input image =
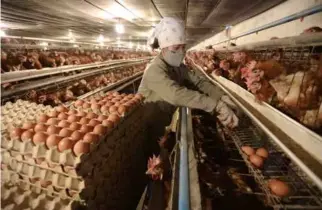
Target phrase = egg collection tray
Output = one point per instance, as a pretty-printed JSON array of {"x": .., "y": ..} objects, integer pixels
[
  {"x": 15, "y": 114},
  {"x": 104, "y": 169},
  {"x": 15, "y": 197}
]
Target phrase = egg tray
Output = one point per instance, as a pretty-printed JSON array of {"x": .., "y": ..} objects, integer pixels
[
  {"x": 15, "y": 114},
  {"x": 277, "y": 165},
  {"x": 14, "y": 197},
  {"x": 11, "y": 177},
  {"x": 35, "y": 173},
  {"x": 39, "y": 162}
]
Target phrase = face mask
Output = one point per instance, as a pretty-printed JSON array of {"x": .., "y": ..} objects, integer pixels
[{"x": 173, "y": 58}]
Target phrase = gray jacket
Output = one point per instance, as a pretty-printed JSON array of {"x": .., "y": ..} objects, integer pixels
[{"x": 169, "y": 87}]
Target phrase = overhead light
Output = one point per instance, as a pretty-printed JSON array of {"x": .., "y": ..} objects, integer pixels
[
  {"x": 119, "y": 11},
  {"x": 101, "y": 43},
  {"x": 100, "y": 38},
  {"x": 118, "y": 38},
  {"x": 130, "y": 45},
  {"x": 72, "y": 40},
  {"x": 2, "y": 33},
  {"x": 43, "y": 44},
  {"x": 70, "y": 34},
  {"x": 119, "y": 28},
  {"x": 107, "y": 15},
  {"x": 75, "y": 45}
]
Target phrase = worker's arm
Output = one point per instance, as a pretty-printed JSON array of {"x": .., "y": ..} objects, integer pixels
[
  {"x": 157, "y": 80},
  {"x": 203, "y": 84}
]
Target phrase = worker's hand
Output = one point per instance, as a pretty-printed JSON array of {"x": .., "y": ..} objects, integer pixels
[
  {"x": 226, "y": 115},
  {"x": 229, "y": 102}
]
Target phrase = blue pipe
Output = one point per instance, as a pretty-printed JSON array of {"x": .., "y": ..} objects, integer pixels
[
  {"x": 281, "y": 21},
  {"x": 184, "y": 195}
]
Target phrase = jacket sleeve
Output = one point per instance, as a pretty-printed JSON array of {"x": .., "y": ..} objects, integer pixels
[
  {"x": 157, "y": 80},
  {"x": 203, "y": 84}
]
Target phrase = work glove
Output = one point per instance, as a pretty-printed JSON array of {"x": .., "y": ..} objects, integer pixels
[{"x": 225, "y": 113}]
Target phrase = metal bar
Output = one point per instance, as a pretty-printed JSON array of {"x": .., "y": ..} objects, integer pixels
[
  {"x": 32, "y": 74},
  {"x": 281, "y": 21},
  {"x": 316, "y": 179},
  {"x": 49, "y": 40},
  {"x": 314, "y": 39},
  {"x": 184, "y": 194},
  {"x": 61, "y": 79}
]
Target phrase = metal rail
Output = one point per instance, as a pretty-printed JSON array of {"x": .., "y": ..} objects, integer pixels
[
  {"x": 184, "y": 197},
  {"x": 281, "y": 21},
  {"x": 60, "y": 79},
  {"x": 308, "y": 171},
  {"x": 32, "y": 74}
]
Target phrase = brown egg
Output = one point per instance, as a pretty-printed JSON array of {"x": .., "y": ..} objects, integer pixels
[
  {"x": 115, "y": 94},
  {"x": 86, "y": 105},
  {"x": 256, "y": 160},
  {"x": 108, "y": 124},
  {"x": 94, "y": 122},
  {"x": 62, "y": 109},
  {"x": 119, "y": 97},
  {"x": 77, "y": 135},
  {"x": 53, "y": 140},
  {"x": 73, "y": 118},
  {"x": 100, "y": 129},
  {"x": 93, "y": 101},
  {"x": 113, "y": 109},
  {"x": 53, "y": 114},
  {"x": 65, "y": 132},
  {"x": 114, "y": 118},
  {"x": 139, "y": 96},
  {"x": 90, "y": 138},
  {"x": 104, "y": 109},
  {"x": 91, "y": 115},
  {"x": 16, "y": 133},
  {"x": 114, "y": 100},
  {"x": 53, "y": 121},
  {"x": 81, "y": 148},
  {"x": 101, "y": 117},
  {"x": 27, "y": 135},
  {"x": 65, "y": 144},
  {"x": 248, "y": 150},
  {"x": 73, "y": 111},
  {"x": 79, "y": 103},
  {"x": 84, "y": 121},
  {"x": 43, "y": 118},
  {"x": 39, "y": 138},
  {"x": 86, "y": 128},
  {"x": 121, "y": 110},
  {"x": 262, "y": 152},
  {"x": 62, "y": 116},
  {"x": 130, "y": 96},
  {"x": 110, "y": 97},
  {"x": 95, "y": 107},
  {"x": 64, "y": 124},
  {"x": 28, "y": 125},
  {"x": 75, "y": 126},
  {"x": 40, "y": 127},
  {"x": 109, "y": 104},
  {"x": 117, "y": 104},
  {"x": 278, "y": 187},
  {"x": 53, "y": 129},
  {"x": 45, "y": 183},
  {"x": 81, "y": 114}
]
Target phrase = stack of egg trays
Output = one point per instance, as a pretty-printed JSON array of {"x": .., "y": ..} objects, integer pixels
[
  {"x": 28, "y": 196},
  {"x": 15, "y": 114},
  {"x": 118, "y": 165}
]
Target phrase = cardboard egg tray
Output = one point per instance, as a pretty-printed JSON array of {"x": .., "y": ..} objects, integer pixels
[
  {"x": 11, "y": 177},
  {"x": 14, "y": 197},
  {"x": 42, "y": 175},
  {"x": 107, "y": 168},
  {"x": 15, "y": 114}
]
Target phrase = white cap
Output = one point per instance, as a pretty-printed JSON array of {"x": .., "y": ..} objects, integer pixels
[{"x": 168, "y": 32}]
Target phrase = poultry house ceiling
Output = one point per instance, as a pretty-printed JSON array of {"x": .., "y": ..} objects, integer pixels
[{"x": 89, "y": 18}]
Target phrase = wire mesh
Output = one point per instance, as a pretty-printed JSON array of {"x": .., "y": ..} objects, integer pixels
[{"x": 277, "y": 166}]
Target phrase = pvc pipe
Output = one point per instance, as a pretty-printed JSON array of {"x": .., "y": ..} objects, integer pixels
[
  {"x": 281, "y": 21},
  {"x": 184, "y": 195}
]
